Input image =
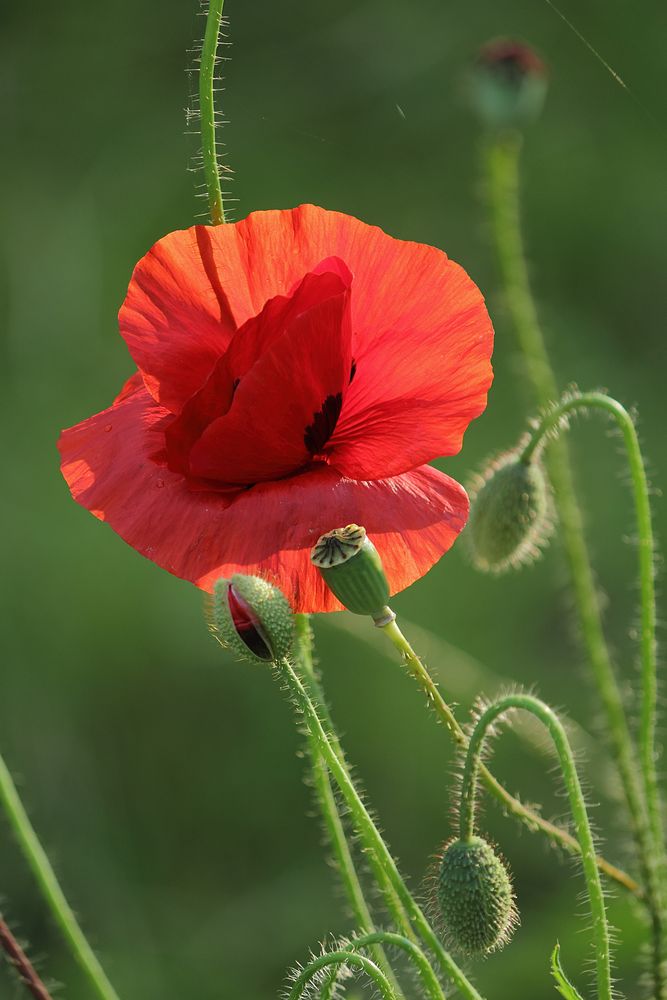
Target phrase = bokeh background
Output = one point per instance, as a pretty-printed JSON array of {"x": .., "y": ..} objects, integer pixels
[{"x": 164, "y": 777}]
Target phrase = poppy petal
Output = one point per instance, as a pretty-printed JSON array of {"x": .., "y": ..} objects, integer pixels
[
  {"x": 176, "y": 319},
  {"x": 286, "y": 406},
  {"x": 269, "y": 529},
  {"x": 401, "y": 414}
]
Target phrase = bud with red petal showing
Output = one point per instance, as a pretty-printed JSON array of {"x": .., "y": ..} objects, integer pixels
[
  {"x": 508, "y": 84},
  {"x": 352, "y": 569},
  {"x": 252, "y": 618}
]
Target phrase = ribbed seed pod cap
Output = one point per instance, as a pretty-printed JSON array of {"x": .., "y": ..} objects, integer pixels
[
  {"x": 475, "y": 898},
  {"x": 352, "y": 569},
  {"x": 508, "y": 84},
  {"x": 252, "y": 618},
  {"x": 509, "y": 514}
]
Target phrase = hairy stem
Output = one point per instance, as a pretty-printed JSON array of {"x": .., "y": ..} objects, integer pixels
[
  {"x": 53, "y": 895},
  {"x": 329, "y": 808},
  {"x": 20, "y": 961},
  {"x": 646, "y": 549},
  {"x": 343, "y": 957},
  {"x": 550, "y": 720},
  {"x": 514, "y": 806},
  {"x": 207, "y": 111},
  {"x": 369, "y": 833},
  {"x": 432, "y": 987},
  {"x": 502, "y": 176}
]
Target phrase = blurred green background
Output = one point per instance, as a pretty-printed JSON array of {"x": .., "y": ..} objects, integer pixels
[{"x": 165, "y": 778}]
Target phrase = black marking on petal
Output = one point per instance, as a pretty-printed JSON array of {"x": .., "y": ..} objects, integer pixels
[
  {"x": 353, "y": 371},
  {"x": 324, "y": 423}
]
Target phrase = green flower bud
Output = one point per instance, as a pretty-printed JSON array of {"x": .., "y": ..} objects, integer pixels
[
  {"x": 475, "y": 898},
  {"x": 252, "y": 618},
  {"x": 352, "y": 569},
  {"x": 509, "y": 514},
  {"x": 508, "y": 84}
]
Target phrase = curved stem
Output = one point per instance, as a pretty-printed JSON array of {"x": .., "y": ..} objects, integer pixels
[
  {"x": 550, "y": 720},
  {"x": 369, "y": 833},
  {"x": 509, "y": 802},
  {"x": 342, "y": 958},
  {"x": 17, "y": 957},
  {"x": 502, "y": 175},
  {"x": 429, "y": 980},
  {"x": 207, "y": 111},
  {"x": 646, "y": 545},
  {"x": 329, "y": 808},
  {"x": 54, "y": 897}
]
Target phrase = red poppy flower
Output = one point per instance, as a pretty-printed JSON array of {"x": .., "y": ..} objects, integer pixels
[{"x": 295, "y": 372}]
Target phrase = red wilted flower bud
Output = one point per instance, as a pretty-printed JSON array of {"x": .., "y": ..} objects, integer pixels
[{"x": 508, "y": 84}]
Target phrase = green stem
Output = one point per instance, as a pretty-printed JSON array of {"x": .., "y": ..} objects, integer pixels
[
  {"x": 502, "y": 173},
  {"x": 44, "y": 874},
  {"x": 646, "y": 545},
  {"x": 426, "y": 974},
  {"x": 550, "y": 720},
  {"x": 392, "y": 902},
  {"x": 329, "y": 808},
  {"x": 342, "y": 958},
  {"x": 207, "y": 111},
  {"x": 510, "y": 803},
  {"x": 369, "y": 833}
]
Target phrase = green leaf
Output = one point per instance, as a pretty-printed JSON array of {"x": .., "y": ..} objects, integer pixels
[{"x": 565, "y": 987}]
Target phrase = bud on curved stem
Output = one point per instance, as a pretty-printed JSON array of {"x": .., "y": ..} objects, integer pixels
[
  {"x": 516, "y": 808},
  {"x": 509, "y": 514},
  {"x": 554, "y": 420},
  {"x": 475, "y": 897},
  {"x": 550, "y": 720}
]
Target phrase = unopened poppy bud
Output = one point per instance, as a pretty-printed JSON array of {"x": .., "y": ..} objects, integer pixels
[
  {"x": 509, "y": 514},
  {"x": 475, "y": 898},
  {"x": 352, "y": 569},
  {"x": 252, "y": 618},
  {"x": 508, "y": 84}
]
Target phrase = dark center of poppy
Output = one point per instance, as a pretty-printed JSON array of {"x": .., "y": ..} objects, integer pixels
[{"x": 324, "y": 422}]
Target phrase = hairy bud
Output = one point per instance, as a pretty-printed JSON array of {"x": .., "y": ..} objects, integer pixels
[
  {"x": 475, "y": 898},
  {"x": 252, "y": 618},
  {"x": 509, "y": 514},
  {"x": 352, "y": 569},
  {"x": 508, "y": 84}
]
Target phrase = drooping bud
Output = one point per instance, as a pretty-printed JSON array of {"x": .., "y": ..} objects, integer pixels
[
  {"x": 508, "y": 84},
  {"x": 509, "y": 514},
  {"x": 252, "y": 618},
  {"x": 475, "y": 898},
  {"x": 352, "y": 569}
]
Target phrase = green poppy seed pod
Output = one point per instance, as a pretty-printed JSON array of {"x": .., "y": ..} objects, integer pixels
[
  {"x": 475, "y": 898},
  {"x": 252, "y": 618},
  {"x": 509, "y": 514},
  {"x": 352, "y": 569},
  {"x": 508, "y": 84}
]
